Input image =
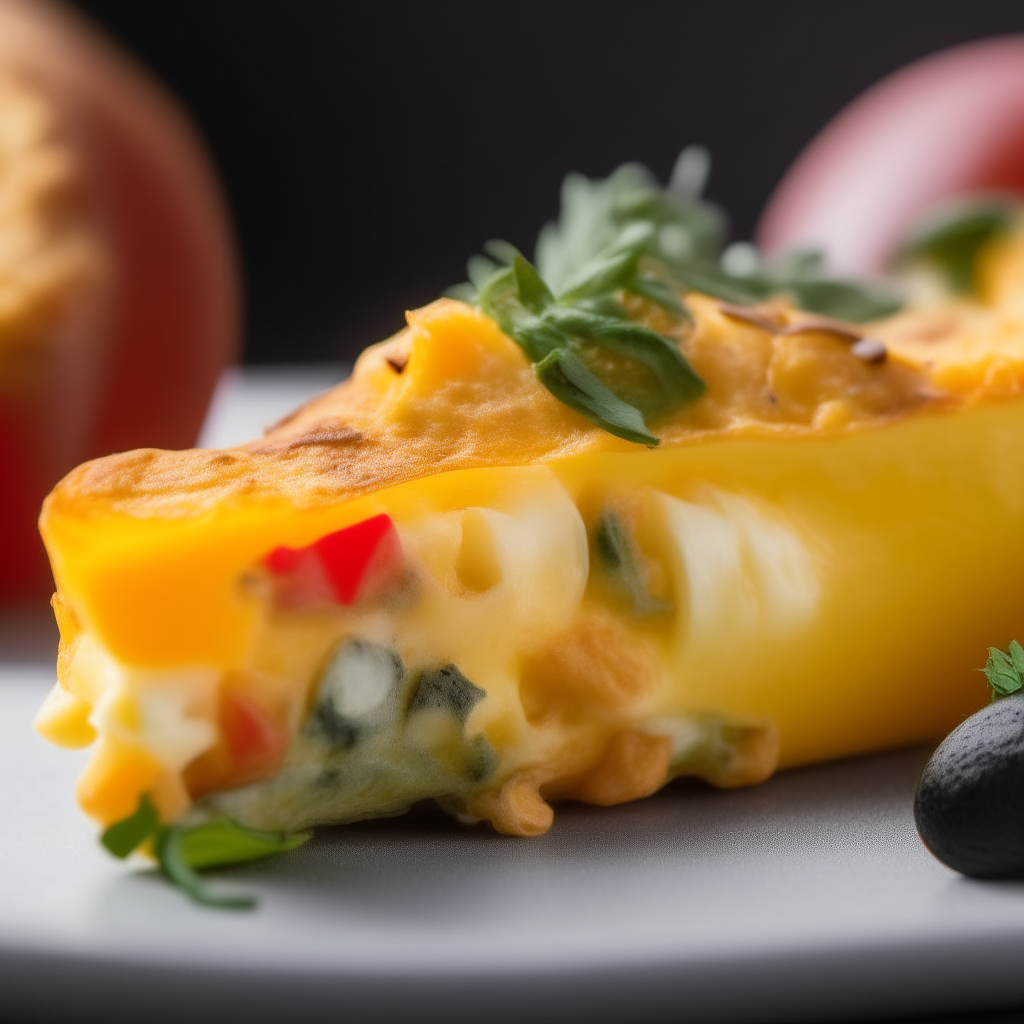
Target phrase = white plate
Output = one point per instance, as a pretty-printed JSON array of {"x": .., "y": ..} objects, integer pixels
[
  {"x": 249, "y": 399},
  {"x": 809, "y": 896},
  {"x": 805, "y": 898}
]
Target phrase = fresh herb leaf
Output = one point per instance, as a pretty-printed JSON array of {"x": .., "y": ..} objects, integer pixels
[
  {"x": 612, "y": 269},
  {"x": 1017, "y": 657},
  {"x": 1005, "y": 672},
  {"x": 464, "y": 292},
  {"x": 223, "y": 841},
  {"x": 446, "y": 689},
  {"x": 690, "y": 173},
  {"x": 125, "y": 836},
  {"x": 534, "y": 294},
  {"x": 594, "y": 213},
  {"x": 951, "y": 237},
  {"x": 499, "y": 297},
  {"x": 674, "y": 374},
  {"x": 563, "y": 373},
  {"x": 548, "y": 328},
  {"x": 501, "y": 251},
  {"x": 174, "y": 865},
  {"x": 710, "y": 280},
  {"x": 796, "y": 265},
  {"x": 628, "y": 234},
  {"x": 180, "y": 849},
  {"x": 855, "y": 303},
  {"x": 660, "y": 293},
  {"x": 604, "y": 305},
  {"x": 479, "y": 268}
]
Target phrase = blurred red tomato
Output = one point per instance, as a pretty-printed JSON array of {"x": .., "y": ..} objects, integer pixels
[
  {"x": 138, "y": 364},
  {"x": 947, "y": 124}
]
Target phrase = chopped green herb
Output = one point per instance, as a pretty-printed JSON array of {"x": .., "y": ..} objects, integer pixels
[
  {"x": 551, "y": 331},
  {"x": 612, "y": 268},
  {"x": 711, "y": 746},
  {"x": 174, "y": 865},
  {"x": 447, "y": 689},
  {"x": 622, "y": 564},
  {"x": 628, "y": 234},
  {"x": 674, "y": 374},
  {"x": 951, "y": 237},
  {"x": 563, "y": 373},
  {"x": 181, "y": 850},
  {"x": 223, "y": 841},
  {"x": 125, "y": 836},
  {"x": 533, "y": 292},
  {"x": 1005, "y": 672},
  {"x": 661, "y": 294},
  {"x": 711, "y": 280},
  {"x": 844, "y": 300}
]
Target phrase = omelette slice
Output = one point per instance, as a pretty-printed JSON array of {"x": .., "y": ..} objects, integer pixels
[{"x": 600, "y": 526}]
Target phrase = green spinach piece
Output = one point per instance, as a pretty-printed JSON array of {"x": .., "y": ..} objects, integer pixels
[{"x": 446, "y": 689}]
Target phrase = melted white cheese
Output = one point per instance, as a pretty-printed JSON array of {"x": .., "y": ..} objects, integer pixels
[
  {"x": 537, "y": 560},
  {"x": 170, "y": 712},
  {"x": 741, "y": 572}
]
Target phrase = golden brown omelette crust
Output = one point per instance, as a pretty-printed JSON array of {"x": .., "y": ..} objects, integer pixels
[{"x": 452, "y": 392}]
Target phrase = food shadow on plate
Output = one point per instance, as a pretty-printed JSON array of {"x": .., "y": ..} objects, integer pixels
[
  {"x": 981, "y": 898},
  {"x": 425, "y": 868}
]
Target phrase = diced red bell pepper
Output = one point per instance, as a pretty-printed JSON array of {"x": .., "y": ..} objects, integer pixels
[
  {"x": 352, "y": 564},
  {"x": 252, "y": 744},
  {"x": 256, "y": 741}
]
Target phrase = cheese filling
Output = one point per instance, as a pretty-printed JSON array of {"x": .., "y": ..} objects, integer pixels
[{"x": 438, "y": 687}]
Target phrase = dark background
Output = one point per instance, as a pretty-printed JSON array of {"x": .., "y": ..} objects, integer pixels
[{"x": 368, "y": 148}]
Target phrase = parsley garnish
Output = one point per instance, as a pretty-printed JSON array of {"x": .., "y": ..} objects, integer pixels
[
  {"x": 558, "y": 333},
  {"x": 627, "y": 235},
  {"x": 127, "y": 835},
  {"x": 181, "y": 850},
  {"x": 1005, "y": 672},
  {"x": 951, "y": 237}
]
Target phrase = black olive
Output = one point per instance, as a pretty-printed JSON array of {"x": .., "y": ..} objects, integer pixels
[{"x": 969, "y": 806}]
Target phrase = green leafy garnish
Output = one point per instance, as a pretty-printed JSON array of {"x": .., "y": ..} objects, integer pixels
[
  {"x": 175, "y": 866},
  {"x": 800, "y": 274},
  {"x": 182, "y": 850},
  {"x": 558, "y": 332},
  {"x": 127, "y": 835},
  {"x": 222, "y": 841},
  {"x": 629, "y": 236},
  {"x": 951, "y": 237},
  {"x": 1005, "y": 672},
  {"x": 563, "y": 373}
]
